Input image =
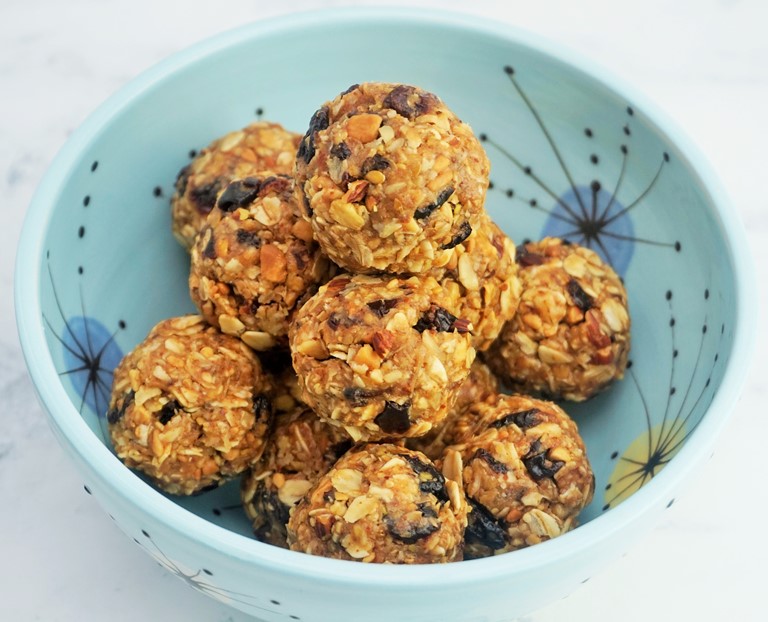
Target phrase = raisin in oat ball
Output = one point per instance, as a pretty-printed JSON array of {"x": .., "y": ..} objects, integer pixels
[
  {"x": 261, "y": 146},
  {"x": 525, "y": 473},
  {"x": 190, "y": 406},
  {"x": 299, "y": 450},
  {"x": 381, "y": 503},
  {"x": 481, "y": 385},
  {"x": 255, "y": 262},
  {"x": 481, "y": 280},
  {"x": 380, "y": 356},
  {"x": 570, "y": 337},
  {"x": 391, "y": 179}
]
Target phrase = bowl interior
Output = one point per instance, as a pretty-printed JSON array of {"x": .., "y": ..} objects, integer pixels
[{"x": 569, "y": 157}]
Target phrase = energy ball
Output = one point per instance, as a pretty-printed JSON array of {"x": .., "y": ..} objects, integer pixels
[
  {"x": 190, "y": 406},
  {"x": 391, "y": 179},
  {"x": 481, "y": 280},
  {"x": 255, "y": 262},
  {"x": 384, "y": 504},
  {"x": 261, "y": 146},
  {"x": 481, "y": 385},
  {"x": 570, "y": 337},
  {"x": 380, "y": 356},
  {"x": 525, "y": 474},
  {"x": 300, "y": 449}
]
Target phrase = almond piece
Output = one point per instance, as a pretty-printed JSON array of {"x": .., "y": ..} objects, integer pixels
[
  {"x": 273, "y": 263},
  {"x": 364, "y": 127}
]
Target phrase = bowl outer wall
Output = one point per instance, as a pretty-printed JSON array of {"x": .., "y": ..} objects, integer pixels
[{"x": 96, "y": 459}]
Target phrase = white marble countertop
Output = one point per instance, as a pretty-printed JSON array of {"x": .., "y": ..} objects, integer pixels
[{"x": 704, "y": 61}]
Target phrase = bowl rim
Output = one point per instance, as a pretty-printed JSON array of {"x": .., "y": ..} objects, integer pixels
[{"x": 64, "y": 417}]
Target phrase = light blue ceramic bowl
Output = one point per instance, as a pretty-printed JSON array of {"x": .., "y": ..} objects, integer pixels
[{"x": 575, "y": 152}]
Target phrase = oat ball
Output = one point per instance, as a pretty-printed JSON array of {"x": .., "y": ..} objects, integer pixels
[
  {"x": 380, "y": 356},
  {"x": 255, "y": 262},
  {"x": 299, "y": 450},
  {"x": 481, "y": 385},
  {"x": 261, "y": 146},
  {"x": 570, "y": 336},
  {"x": 384, "y": 504},
  {"x": 190, "y": 406},
  {"x": 481, "y": 280},
  {"x": 391, "y": 179},
  {"x": 525, "y": 474}
]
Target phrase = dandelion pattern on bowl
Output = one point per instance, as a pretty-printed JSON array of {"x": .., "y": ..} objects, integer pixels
[
  {"x": 588, "y": 213},
  {"x": 90, "y": 353}
]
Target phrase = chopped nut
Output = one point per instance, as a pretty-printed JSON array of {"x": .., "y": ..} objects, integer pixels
[
  {"x": 442, "y": 180},
  {"x": 230, "y": 325},
  {"x": 258, "y": 340},
  {"x": 302, "y": 230},
  {"x": 368, "y": 357},
  {"x": 467, "y": 274},
  {"x": 293, "y": 490},
  {"x": 441, "y": 163},
  {"x": 560, "y": 453},
  {"x": 313, "y": 348},
  {"x": 532, "y": 499},
  {"x": 273, "y": 263},
  {"x": 360, "y": 507},
  {"x": 356, "y": 191},
  {"x": 347, "y": 481},
  {"x": 375, "y": 177},
  {"x": 386, "y": 133},
  {"x": 382, "y": 342},
  {"x": 364, "y": 127},
  {"x": 345, "y": 214}
]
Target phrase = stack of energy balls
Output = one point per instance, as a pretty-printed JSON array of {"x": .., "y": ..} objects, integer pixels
[{"x": 346, "y": 281}]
